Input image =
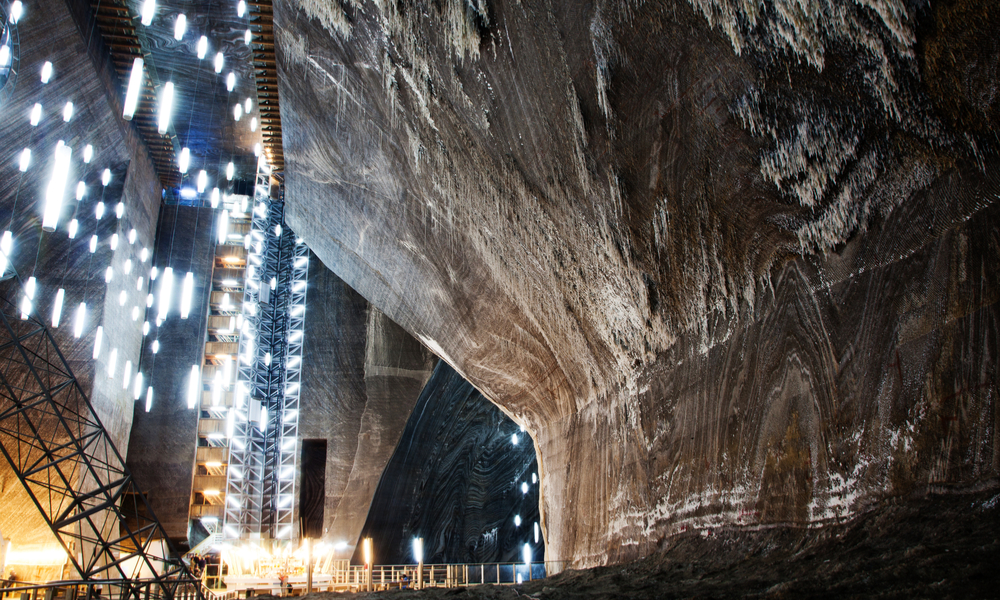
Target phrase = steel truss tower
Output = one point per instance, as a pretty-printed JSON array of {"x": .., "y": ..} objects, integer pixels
[
  {"x": 260, "y": 490},
  {"x": 71, "y": 469}
]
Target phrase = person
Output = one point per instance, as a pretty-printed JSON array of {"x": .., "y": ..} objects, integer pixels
[
  {"x": 9, "y": 582},
  {"x": 405, "y": 581}
]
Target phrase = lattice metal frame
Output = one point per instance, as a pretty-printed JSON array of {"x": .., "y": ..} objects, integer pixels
[
  {"x": 260, "y": 494},
  {"x": 56, "y": 445}
]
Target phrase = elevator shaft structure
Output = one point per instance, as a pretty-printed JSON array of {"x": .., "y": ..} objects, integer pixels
[
  {"x": 263, "y": 450},
  {"x": 58, "y": 448}
]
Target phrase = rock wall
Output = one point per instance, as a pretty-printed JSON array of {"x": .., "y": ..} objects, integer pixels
[
  {"x": 726, "y": 263},
  {"x": 455, "y": 481},
  {"x": 161, "y": 450},
  {"x": 361, "y": 376},
  {"x": 48, "y": 31}
]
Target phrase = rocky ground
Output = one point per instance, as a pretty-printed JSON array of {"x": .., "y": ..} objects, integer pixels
[{"x": 941, "y": 546}]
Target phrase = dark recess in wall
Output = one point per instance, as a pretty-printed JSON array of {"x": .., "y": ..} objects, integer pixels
[
  {"x": 312, "y": 492},
  {"x": 455, "y": 480}
]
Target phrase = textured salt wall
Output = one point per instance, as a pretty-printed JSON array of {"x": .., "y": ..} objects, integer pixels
[
  {"x": 161, "y": 450},
  {"x": 455, "y": 480},
  {"x": 361, "y": 376},
  {"x": 682, "y": 243},
  {"x": 48, "y": 32}
]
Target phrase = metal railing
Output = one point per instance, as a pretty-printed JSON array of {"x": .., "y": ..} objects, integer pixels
[
  {"x": 105, "y": 589},
  {"x": 384, "y": 577}
]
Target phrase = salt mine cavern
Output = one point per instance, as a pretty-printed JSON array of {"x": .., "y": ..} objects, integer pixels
[{"x": 499, "y": 298}]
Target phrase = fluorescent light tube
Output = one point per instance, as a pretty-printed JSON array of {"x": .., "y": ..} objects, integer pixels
[
  {"x": 166, "y": 291},
  {"x": 134, "y": 86},
  {"x": 184, "y": 160},
  {"x": 166, "y": 106},
  {"x": 180, "y": 26},
  {"x": 148, "y": 12},
  {"x": 193, "y": 384},
  {"x": 186, "y": 292},
  {"x": 57, "y": 307},
  {"x": 80, "y": 319},
  {"x": 57, "y": 187}
]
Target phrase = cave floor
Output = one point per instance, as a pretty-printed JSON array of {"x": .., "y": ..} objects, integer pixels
[{"x": 939, "y": 546}]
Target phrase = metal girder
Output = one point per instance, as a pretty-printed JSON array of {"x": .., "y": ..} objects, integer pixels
[
  {"x": 260, "y": 494},
  {"x": 69, "y": 466}
]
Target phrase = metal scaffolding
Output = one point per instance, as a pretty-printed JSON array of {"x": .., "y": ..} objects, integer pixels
[
  {"x": 69, "y": 466},
  {"x": 260, "y": 494}
]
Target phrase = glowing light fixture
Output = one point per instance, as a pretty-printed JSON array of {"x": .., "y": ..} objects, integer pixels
[
  {"x": 137, "y": 389},
  {"x": 202, "y": 181},
  {"x": 187, "y": 290},
  {"x": 98, "y": 338},
  {"x": 114, "y": 242},
  {"x": 219, "y": 62},
  {"x": 106, "y": 177},
  {"x": 247, "y": 37},
  {"x": 74, "y": 226},
  {"x": 241, "y": 8},
  {"x": 148, "y": 12},
  {"x": 184, "y": 160},
  {"x": 253, "y": 124},
  {"x": 131, "y": 236},
  {"x": 16, "y": 10},
  {"x": 67, "y": 112},
  {"x": 517, "y": 520},
  {"x": 524, "y": 487},
  {"x": 156, "y": 346},
  {"x": 166, "y": 291},
  {"x": 4, "y": 55},
  {"x": 93, "y": 243},
  {"x": 202, "y": 47},
  {"x": 36, "y": 114},
  {"x": 25, "y": 160},
  {"x": 144, "y": 255},
  {"x": 109, "y": 274},
  {"x": 88, "y": 154},
  {"x": 127, "y": 375},
  {"x": 119, "y": 209},
  {"x": 180, "y": 27},
  {"x": 223, "y": 226},
  {"x": 134, "y": 86},
  {"x": 229, "y": 171},
  {"x": 98, "y": 212},
  {"x": 536, "y": 533},
  {"x": 513, "y": 439},
  {"x": 193, "y": 384},
  {"x": 230, "y": 81},
  {"x": 57, "y": 307},
  {"x": 237, "y": 112},
  {"x": 166, "y": 106},
  {"x": 81, "y": 190},
  {"x": 418, "y": 550},
  {"x": 57, "y": 187},
  {"x": 149, "y": 398},
  {"x": 80, "y": 319},
  {"x": 526, "y": 552},
  {"x": 29, "y": 296},
  {"x": 46, "y": 72}
]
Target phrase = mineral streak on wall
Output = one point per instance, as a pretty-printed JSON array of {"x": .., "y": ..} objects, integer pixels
[
  {"x": 361, "y": 376},
  {"x": 48, "y": 32},
  {"x": 729, "y": 267},
  {"x": 456, "y": 480}
]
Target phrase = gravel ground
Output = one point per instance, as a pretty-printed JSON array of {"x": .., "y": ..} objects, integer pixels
[{"x": 943, "y": 546}]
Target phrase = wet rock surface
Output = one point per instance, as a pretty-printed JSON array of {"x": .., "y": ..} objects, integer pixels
[
  {"x": 938, "y": 546},
  {"x": 729, "y": 263}
]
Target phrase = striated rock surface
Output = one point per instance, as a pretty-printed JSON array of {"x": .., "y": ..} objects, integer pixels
[
  {"x": 455, "y": 481},
  {"x": 361, "y": 376},
  {"x": 729, "y": 263}
]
